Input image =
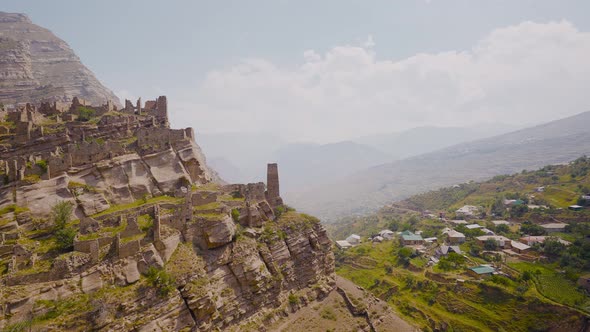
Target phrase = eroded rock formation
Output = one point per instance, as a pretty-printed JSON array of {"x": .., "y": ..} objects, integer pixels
[
  {"x": 38, "y": 66},
  {"x": 160, "y": 244}
]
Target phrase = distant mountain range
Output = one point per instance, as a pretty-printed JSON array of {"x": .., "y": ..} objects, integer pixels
[
  {"x": 305, "y": 165},
  {"x": 422, "y": 140},
  {"x": 365, "y": 191}
]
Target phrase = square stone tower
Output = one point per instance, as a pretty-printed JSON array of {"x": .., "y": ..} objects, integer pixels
[{"x": 273, "y": 195}]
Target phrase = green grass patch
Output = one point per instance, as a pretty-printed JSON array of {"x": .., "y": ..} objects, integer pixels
[
  {"x": 210, "y": 206},
  {"x": 137, "y": 203}
]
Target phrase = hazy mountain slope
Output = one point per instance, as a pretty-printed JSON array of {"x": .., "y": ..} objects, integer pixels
[
  {"x": 302, "y": 165},
  {"x": 248, "y": 152},
  {"x": 417, "y": 141},
  {"x": 35, "y": 65},
  {"x": 555, "y": 142}
]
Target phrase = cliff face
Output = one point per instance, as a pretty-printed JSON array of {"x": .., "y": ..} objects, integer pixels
[
  {"x": 155, "y": 242},
  {"x": 35, "y": 66}
]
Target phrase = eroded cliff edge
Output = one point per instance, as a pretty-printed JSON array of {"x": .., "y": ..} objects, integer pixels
[{"x": 159, "y": 243}]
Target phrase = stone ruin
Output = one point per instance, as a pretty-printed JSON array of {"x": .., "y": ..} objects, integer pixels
[
  {"x": 48, "y": 139},
  {"x": 52, "y": 152}
]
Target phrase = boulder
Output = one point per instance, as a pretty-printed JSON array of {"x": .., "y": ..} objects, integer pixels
[
  {"x": 91, "y": 282},
  {"x": 219, "y": 232},
  {"x": 130, "y": 271}
]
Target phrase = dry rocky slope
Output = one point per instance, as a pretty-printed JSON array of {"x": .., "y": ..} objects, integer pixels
[
  {"x": 35, "y": 65},
  {"x": 160, "y": 244}
]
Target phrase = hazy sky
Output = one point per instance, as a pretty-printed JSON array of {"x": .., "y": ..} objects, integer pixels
[{"x": 331, "y": 70}]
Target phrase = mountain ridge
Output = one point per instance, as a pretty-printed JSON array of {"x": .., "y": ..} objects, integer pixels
[
  {"x": 550, "y": 143},
  {"x": 39, "y": 66}
]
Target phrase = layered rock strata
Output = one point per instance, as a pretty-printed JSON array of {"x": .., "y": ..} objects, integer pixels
[
  {"x": 160, "y": 244},
  {"x": 38, "y": 66}
]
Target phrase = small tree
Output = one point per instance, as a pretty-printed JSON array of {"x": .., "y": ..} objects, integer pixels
[
  {"x": 490, "y": 244},
  {"x": 65, "y": 238},
  {"x": 403, "y": 255},
  {"x": 61, "y": 213},
  {"x": 161, "y": 280},
  {"x": 85, "y": 114},
  {"x": 235, "y": 215},
  {"x": 502, "y": 229}
]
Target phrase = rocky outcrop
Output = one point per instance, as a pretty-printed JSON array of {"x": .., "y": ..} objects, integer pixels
[
  {"x": 38, "y": 66},
  {"x": 158, "y": 244}
]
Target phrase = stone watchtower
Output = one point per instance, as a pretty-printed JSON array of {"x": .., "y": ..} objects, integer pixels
[{"x": 273, "y": 195}]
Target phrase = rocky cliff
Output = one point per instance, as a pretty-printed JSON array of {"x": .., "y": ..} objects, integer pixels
[
  {"x": 110, "y": 220},
  {"x": 35, "y": 65}
]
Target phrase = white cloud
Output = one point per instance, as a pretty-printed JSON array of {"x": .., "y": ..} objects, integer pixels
[{"x": 525, "y": 73}]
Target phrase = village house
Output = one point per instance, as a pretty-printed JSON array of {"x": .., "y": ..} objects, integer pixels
[
  {"x": 519, "y": 247},
  {"x": 531, "y": 240},
  {"x": 487, "y": 231},
  {"x": 354, "y": 239},
  {"x": 430, "y": 239},
  {"x": 386, "y": 234},
  {"x": 467, "y": 211},
  {"x": 575, "y": 207},
  {"x": 377, "y": 239},
  {"x": 513, "y": 202},
  {"x": 455, "y": 237},
  {"x": 445, "y": 250},
  {"x": 540, "y": 189},
  {"x": 410, "y": 239},
  {"x": 500, "y": 222},
  {"x": 481, "y": 271},
  {"x": 343, "y": 244},
  {"x": 459, "y": 222},
  {"x": 473, "y": 226},
  {"x": 501, "y": 241},
  {"x": 554, "y": 227}
]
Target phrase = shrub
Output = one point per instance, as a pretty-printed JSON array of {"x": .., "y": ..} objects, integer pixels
[
  {"x": 85, "y": 114},
  {"x": 328, "y": 313},
  {"x": 293, "y": 299},
  {"x": 490, "y": 244},
  {"x": 65, "y": 238},
  {"x": 235, "y": 215},
  {"x": 61, "y": 214},
  {"x": 43, "y": 165},
  {"x": 32, "y": 179},
  {"x": 526, "y": 275},
  {"x": 502, "y": 229},
  {"x": 531, "y": 229},
  {"x": 279, "y": 211},
  {"x": 161, "y": 280},
  {"x": 404, "y": 255}
]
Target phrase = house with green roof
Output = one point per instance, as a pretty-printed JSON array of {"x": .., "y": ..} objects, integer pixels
[
  {"x": 482, "y": 271},
  {"x": 410, "y": 239}
]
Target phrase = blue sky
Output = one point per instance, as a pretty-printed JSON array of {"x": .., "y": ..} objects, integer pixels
[{"x": 206, "y": 55}]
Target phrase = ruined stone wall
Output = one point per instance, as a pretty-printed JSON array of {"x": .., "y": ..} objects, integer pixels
[
  {"x": 203, "y": 197},
  {"x": 54, "y": 108},
  {"x": 85, "y": 246},
  {"x": 158, "y": 139},
  {"x": 83, "y": 153},
  {"x": 58, "y": 164},
  {"x": 129, "y": 249},
  {"x": 250, "y": 191}
]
